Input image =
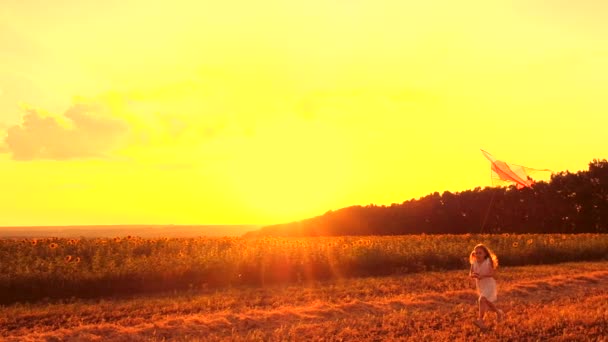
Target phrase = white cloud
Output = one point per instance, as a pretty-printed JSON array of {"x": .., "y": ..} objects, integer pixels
[{"x": 87, "y": 135}]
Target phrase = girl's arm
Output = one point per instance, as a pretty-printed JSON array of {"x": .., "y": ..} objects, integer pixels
[{"x": 473, "y": 274}]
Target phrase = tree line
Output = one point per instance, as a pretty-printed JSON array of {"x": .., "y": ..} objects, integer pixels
[{"x": 568, "y": 203}]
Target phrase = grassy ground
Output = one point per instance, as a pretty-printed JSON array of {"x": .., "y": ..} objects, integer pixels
[{"x": 562, "y": 302}]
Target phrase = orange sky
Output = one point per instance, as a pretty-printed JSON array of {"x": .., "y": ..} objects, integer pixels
[{"x": 121, "y": 112}]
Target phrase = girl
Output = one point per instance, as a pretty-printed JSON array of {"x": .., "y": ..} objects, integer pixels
[{"x": 483, "y": 262}]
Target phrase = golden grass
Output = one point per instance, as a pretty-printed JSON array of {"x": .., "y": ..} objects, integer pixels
[{"x": 563, "y": 302}]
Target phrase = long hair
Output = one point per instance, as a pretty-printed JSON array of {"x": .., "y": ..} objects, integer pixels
[{"x": 489, "y": 254}]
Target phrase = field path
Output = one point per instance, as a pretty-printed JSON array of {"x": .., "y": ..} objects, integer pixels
[{"x": 561, "y": 302}]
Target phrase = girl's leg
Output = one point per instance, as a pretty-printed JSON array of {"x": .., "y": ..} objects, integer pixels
[
  {"x": 492, "y": 306},
  {"x": 483, "y": 308}
]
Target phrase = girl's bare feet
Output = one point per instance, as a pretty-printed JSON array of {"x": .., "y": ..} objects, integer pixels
[
  {"x": 500, "y": 315},
  {"x": 480, "y": 324}
]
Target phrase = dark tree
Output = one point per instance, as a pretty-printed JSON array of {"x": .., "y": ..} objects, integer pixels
[{"x": 568, "y": 203}]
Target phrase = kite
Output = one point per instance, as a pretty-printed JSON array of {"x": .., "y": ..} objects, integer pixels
[{"x": 504, "y": 173}]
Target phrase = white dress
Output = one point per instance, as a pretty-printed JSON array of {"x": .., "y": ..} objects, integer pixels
[{"x": 486, "y": 287}]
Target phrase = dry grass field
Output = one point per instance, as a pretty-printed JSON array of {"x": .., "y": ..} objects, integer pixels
[{"x": 561, "y": 302}]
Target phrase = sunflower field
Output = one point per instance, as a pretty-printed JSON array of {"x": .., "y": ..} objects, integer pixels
[{"x": 58, "y": 268}]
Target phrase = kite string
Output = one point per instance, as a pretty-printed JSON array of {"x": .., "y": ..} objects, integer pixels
[
  {"x": 485, "y": 218},
  {"x": 487, "y": 212}
]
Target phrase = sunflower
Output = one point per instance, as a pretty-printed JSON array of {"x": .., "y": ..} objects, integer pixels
[
  {"x": 68, "y": 258},
  {"x": 515, "y": 244},
  {"x": 530, "y": 241},
  {"x": 53, "y": 245},
  {"x": 34, "y": 242},
  {"x": 77, "y": 260}
]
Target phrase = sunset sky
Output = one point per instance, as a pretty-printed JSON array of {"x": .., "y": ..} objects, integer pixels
[{"x": 259, "y": 112}]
